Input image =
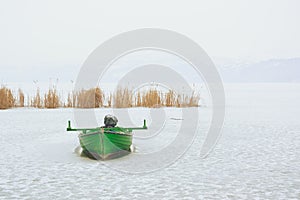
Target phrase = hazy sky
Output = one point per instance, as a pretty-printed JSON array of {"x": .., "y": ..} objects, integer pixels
[{"x": 52, "y": 34}]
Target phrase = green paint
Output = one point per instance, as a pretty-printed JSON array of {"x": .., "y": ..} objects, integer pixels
[{"x": 103, "y": 143}]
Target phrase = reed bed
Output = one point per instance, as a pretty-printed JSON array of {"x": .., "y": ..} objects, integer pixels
[
  {"x": 94, "y": 98},
  {"x": 123, "y": 98},
  {"x": 36, "y": 101},
  {"x": 51, "y": 99},
  {"x": 188, "y": 100},
  {"x": 21, "y": 98},
  {"x": 171, "y": 99},
  {"x": 7, "y": 99},
  {"x": 152, "y": 98}
]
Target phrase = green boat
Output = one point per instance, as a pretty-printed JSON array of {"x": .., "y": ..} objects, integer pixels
[{"x": 106, "y": 142}]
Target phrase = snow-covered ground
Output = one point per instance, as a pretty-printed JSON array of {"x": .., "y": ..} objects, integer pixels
[{"x": 257, "y": 157}]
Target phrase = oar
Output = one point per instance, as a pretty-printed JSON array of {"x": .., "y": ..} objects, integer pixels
[{"x": 69, "y": 128}]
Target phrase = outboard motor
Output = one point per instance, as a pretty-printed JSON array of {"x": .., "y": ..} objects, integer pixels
[{"x": 110, "y": 121}]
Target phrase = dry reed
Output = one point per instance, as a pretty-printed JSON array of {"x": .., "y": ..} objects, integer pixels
[
  {"x": 51, "y": 99},
  {"x": 171, "y": 99},
  {"x": 92, "y": 98},
  {"x": 189, "y": 100},
  {"x": 21, "y": 98},
  {"x": 122, "y": 98},
  {"x": 95, "y": 98},
  {"x": 70, "y": 101},
  {"x": 7, "y": 99},
  {"x": 109, "y": 100},
  {"x": 152, "y": 98},
  {"x": 138, "y": 100},
  {"x": 36, "y": 101}
]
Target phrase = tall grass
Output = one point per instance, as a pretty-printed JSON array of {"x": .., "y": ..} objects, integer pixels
[
  {"x": 70, "y": 101},
  {"x": 138, "y": 99},
  {"x": 171, "y": 99},
  {"x": 152, "y": 98},
  {"x": 51, "y": 99},
  {"x": 122, "y": 98},
  {"x": 109, "y": 100},
  {"x": 92, "y": 98},
  {"x": 95, "y": 98},
  {"x": 21, "y": 98},
  {"x": 36, "y": 101},
  {"x": 191, "y": 100},
  {"x": 7, "y": 99}
]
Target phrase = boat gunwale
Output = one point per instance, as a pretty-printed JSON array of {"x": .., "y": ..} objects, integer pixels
[{"x": 105, "y": 132}]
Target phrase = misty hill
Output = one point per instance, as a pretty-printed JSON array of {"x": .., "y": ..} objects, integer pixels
[{"x": 275, "y": 70}]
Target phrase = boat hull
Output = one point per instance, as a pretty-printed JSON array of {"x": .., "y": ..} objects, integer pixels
[{"x": 105, "y": 144}]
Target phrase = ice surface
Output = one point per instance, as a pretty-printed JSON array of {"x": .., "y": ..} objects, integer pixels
[{"x": 257, "y": 157}]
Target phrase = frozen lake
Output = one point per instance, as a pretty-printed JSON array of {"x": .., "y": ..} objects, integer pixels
[{"x": 257, "y": 156}]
